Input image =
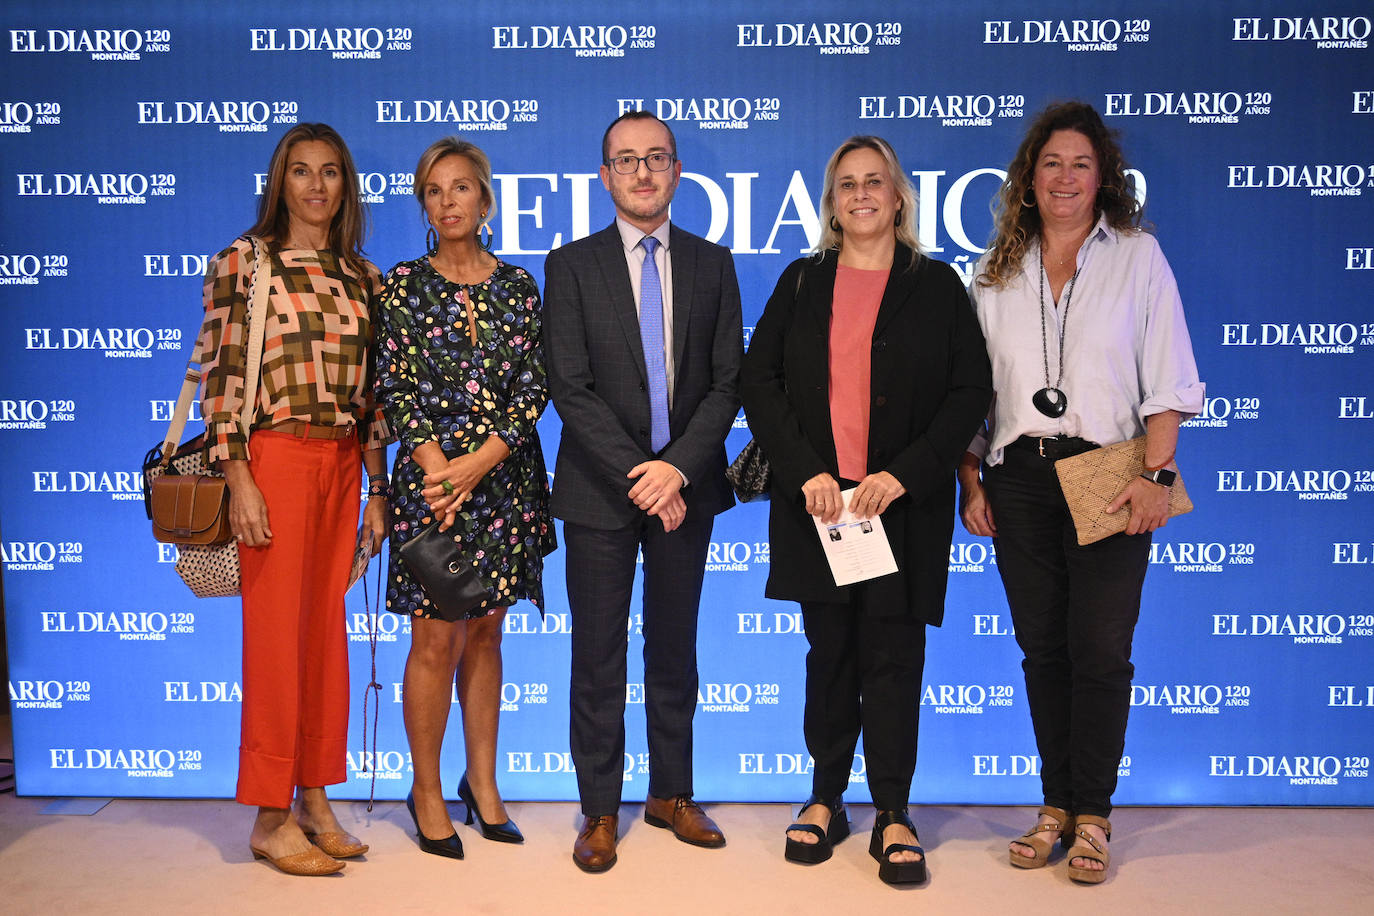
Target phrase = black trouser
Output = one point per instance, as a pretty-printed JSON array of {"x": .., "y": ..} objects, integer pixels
[
  {"x": 1074, "y": 609},
  {"x": 601, "y": 571},
  {"x": 863, "y": 672}
]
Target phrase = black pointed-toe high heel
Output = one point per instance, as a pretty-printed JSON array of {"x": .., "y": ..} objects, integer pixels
[
  {"x": 501, "y": 833},
  {"x": 819, "y": 851},
  {"x": 450, "y": 846},
  {"x": 896, "y": 872}
]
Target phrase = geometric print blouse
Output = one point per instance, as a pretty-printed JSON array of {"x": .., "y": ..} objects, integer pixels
[{"x": 317, "y": 363}]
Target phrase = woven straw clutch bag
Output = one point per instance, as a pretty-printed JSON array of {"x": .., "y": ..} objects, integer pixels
[{"x": 1090, "y": 482}]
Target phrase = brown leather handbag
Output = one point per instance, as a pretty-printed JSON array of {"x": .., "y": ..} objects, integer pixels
[
  {"x": 190, "y": 508},
  {"x": 187, "y": 500}
]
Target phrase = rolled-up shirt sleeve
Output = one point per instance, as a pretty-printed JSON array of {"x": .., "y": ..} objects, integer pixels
[
  {"x": 978, "y": 447},
  {"x": 1168, "y": 371}
]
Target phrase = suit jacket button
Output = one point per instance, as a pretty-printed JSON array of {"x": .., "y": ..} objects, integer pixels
[
  {"x": 643, "y": 431},
  {"x": 879, "y": 401},
  {"x": 880, "y": 345}
]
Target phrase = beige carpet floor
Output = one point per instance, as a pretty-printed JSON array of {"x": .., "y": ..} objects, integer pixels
[{"x": 158, "y": 856}]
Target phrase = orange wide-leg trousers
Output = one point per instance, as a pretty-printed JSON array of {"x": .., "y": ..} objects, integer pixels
[{"x": 295, "y": 649}]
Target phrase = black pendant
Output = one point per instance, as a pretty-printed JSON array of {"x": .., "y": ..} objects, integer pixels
[{"x": 1050, "y": 401}]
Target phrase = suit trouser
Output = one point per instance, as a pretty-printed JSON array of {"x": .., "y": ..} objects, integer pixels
[
  {"x": 601, "y": 570},
  {"x": 295, "y": 651},
  {"x": 863, "y": 672},
  {"x": 1074, "y": 609}
]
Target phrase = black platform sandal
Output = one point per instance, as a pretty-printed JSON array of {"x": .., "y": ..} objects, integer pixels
[
  {"x": 819, "y": 851},
  {"x": 896, "y": 872}
]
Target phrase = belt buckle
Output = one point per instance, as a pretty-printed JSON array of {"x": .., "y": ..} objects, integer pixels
[{"x": 1040, "y": 442}]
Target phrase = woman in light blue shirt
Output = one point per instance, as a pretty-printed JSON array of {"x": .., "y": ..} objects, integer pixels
[{"x": 1089, "y": 347}]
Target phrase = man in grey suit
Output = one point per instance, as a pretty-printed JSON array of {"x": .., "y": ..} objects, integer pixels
[{"x": 642, "y": 340}]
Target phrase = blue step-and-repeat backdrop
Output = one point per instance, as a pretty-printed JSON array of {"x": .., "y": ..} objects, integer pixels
[{"x": 134, "y": 137}]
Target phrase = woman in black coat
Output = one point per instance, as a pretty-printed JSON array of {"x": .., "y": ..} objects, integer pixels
[{"x": 866, "y": 370}]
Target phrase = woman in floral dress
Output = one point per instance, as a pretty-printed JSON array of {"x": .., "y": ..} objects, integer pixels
[{"x": 460, "y": 375}]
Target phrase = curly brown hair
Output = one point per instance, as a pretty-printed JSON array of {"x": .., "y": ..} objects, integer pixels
[{"x": 1016, "y": 223}]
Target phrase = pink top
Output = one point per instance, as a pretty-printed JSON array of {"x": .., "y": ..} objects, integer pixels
[{"x": 853, "y": 312}]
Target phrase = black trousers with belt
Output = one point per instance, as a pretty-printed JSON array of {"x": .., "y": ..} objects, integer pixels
[
  {"x": 1075, "y": 610},
  {"x": 863, "y": 673}
]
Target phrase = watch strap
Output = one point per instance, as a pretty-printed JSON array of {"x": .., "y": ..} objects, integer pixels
[{"x": 1161, "y": 476}]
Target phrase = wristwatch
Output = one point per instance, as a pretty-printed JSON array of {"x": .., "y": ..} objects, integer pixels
[{"x": 1162, "y": 477}]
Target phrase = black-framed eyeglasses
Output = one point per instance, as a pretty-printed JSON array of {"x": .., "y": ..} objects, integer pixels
[{"x": 628, "y": 165}]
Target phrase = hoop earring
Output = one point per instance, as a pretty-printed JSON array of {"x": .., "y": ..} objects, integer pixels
[
  {"x": 1028, "y": 204},
  {"x": 834, "y": 225},
  {"x": 431, "y": 240},
  {"x": 491, "y": 236}
]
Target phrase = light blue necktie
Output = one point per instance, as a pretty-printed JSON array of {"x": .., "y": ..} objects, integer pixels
[{"x": 651, "y": 336}]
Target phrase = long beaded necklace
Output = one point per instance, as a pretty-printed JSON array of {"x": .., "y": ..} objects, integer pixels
[{"x": 1050, "y": 400}]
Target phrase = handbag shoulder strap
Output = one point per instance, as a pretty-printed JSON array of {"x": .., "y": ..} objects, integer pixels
[{"x": 257, "y": 325}]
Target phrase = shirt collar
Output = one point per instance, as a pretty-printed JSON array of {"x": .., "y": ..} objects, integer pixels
[
  {"x": 1104, "y": 231},
  {"x": 1101, "y": 232},
  {"x": 630, "y": 236}
]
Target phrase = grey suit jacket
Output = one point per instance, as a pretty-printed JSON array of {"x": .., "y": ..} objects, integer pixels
[{"x": 598, "y": 381}]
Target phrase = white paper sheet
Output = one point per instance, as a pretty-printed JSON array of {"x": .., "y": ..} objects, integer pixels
[{"x": 857, "y": 549}]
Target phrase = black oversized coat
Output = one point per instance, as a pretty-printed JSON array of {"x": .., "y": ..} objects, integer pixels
[{"x": 930, "y": 387}]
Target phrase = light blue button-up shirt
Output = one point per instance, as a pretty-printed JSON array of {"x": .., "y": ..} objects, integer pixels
[{"x": 1127, "y": 354}]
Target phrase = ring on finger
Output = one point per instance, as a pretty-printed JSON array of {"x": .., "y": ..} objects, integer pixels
[{"x": 448, "y": 487}]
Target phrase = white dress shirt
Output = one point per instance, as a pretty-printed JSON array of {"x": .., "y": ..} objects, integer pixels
[{"x": 1127, "y": 354}]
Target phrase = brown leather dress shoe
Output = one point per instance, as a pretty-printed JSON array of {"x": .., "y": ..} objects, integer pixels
[
  {"x": 594, "y": 850},
  {"x": 685, "y": 818}
]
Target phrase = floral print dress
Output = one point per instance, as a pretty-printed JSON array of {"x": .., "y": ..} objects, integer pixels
[{"x": 435, "y": 385}]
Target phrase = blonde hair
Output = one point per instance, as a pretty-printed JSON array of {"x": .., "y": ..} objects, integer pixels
[
  {"x": 832, "y": 237},
  {"x": 452, "y": 146},
  {"x": 349, "y": 226}
]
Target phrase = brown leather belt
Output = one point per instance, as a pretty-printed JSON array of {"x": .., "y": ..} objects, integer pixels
[{"x": 303, "y": 430}]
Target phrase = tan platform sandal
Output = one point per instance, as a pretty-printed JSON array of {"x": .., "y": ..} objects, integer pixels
[
  {"x": 1035, "y": 838},
  {"x": 1085, "y": 847}
]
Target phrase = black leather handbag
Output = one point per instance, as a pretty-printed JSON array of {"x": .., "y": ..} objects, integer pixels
[{"x": 447, "y": 576}]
